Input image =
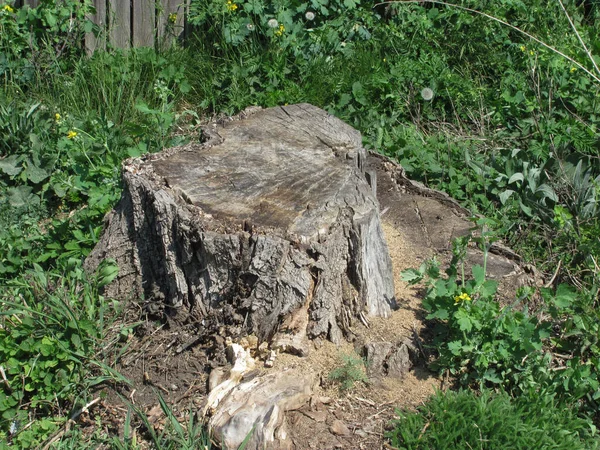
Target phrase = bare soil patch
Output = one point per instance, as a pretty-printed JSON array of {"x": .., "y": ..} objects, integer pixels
[{"x": 164, "y": 358}]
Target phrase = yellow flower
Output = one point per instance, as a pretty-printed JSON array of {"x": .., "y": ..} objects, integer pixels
[
  {"x": 8, "y": 8},
  {"x": 464, "y": 297},
  {"x": 231, "y": 6},
  {"x": 531, "y": 52},
  {"x": 173, "y": 17},
  {"x": 573, "y": 69},
  {"x": 57, "y": 117},
  {"x": 280, "y": 30},
  {"x": 71, "y": 134},
  {"x": 522, "y": 47}
]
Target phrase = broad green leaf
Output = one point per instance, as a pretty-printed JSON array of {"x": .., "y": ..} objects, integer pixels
[
  {"x": 411, "y": 276},
  {"x": 359, "y": 93},
  {"x": 441, "y": 314},
  {"x": 76, "y": 340},
  {"x": 108, "y": 273},
  {"x": 88, "y": 26},
  {"x": 505, "y": 195},
  {"x": 440, "y": 289},
  {"x": 36, "y": 174},
  {"x": 144, "y": 108},
  {"x": 50, "y": 19},
  {"x": 22, "y": 196},
  {"x": 463, "y": 320},
  {"x": 516, "y": 177},
  {"x": 478, "y": 274},
  {"x": 455, "y": 347},
  {"x": 526, "y": 209},
  {"x": 488, "y": 288},
  {"x": 492, "y": 376},
  {"x": 564, "y": 296},
  {"x": 11, "y": 165},
  {"x": 547, "y": 192}
]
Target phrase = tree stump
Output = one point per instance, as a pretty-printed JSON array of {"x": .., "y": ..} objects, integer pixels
[{"x": 269, "y": 226}]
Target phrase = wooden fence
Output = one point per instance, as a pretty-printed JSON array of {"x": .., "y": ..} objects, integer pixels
[{"x": 134, "y": 23}]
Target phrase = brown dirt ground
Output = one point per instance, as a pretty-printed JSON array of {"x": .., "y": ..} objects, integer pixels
[
  {"x": 167, "y": 359},
  {"x": 153, "y": 358}
]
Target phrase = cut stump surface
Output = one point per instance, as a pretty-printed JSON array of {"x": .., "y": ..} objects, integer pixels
[{"x": 271, "y": 216}]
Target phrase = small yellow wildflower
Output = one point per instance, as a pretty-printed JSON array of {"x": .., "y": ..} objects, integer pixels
[
  {"x": 172, "y": 17},
  {"x": 464, "y": 297},
  {"x": 522, "y": 47},
  {"x": 57, "y": 117},
  {"x": 280, "y": 30},
  {"x": 573, "y": 69},
  {"x": 531, "y": 52},
  {"x": 71, "y": 134},
  {"x": 231, "y": 6},
  {"x": 9, "y": 9}
]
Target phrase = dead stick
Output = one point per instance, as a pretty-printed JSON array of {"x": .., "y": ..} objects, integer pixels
[{"x": 549, "y": 283}]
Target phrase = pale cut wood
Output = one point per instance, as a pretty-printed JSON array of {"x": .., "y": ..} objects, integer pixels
[
  {"x": 120, "y": 24},
  {"x": 271, "y": 219},
  {"x": 255, "y": 409},
  {"x": 144, "y": 28}
]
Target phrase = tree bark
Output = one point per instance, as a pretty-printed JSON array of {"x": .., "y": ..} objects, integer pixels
[{"x": 271, "y": 216}]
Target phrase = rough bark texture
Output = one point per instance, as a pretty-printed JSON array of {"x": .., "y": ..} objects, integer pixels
[{"x": 271, "y": 214}]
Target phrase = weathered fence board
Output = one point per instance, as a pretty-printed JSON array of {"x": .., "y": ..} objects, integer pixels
[
  {"x": 144, "y": 20},
  {"x": 119, "y": 13},
  {"x": 99, "y": 18},
  {"x": 137, "y": 23}
]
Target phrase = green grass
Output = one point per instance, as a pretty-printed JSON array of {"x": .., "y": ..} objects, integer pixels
[{"x": 489, "y": 421}]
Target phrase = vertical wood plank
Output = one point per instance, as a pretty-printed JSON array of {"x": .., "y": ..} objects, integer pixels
[
  {"x": 32, "y": 3},
  {"x": 144, "y": 28},
  {"x": 99, "y": 18},
  {"x": 120, "y": 23},
  {"x": 167, "y": 31},
  {"x": 181, "y": 27}
]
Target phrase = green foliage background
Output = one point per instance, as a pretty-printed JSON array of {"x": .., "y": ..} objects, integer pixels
[{"x": 510, "y": 130}]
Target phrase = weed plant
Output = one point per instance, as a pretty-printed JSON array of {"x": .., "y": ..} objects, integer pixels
[
  {"x": 552, "y": 352},
  {"x": 350, "y": 372}
]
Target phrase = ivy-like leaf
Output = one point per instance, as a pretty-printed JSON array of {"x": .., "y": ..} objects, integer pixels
[
  {"x": 455, "y": 347},
  {"x": 463, "y": 320},
  {"x": 411, "y": 276}
]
